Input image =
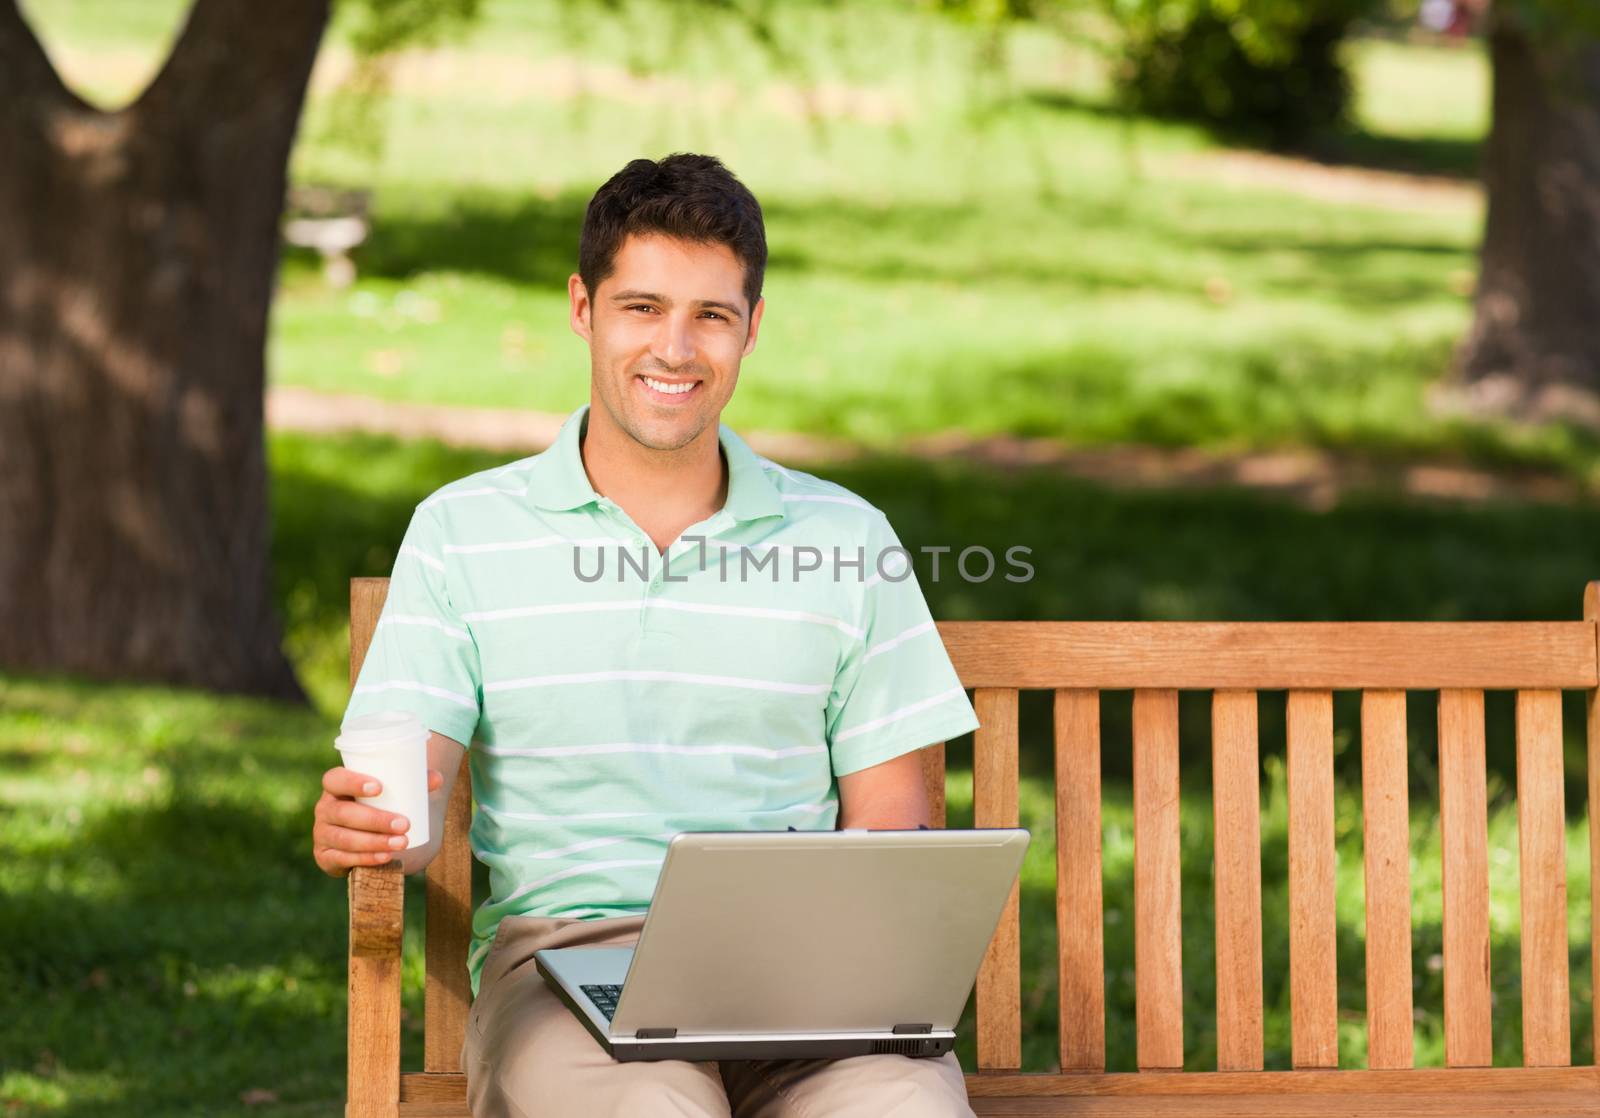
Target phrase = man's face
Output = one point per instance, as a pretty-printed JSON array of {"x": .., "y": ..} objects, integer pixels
[{"x": 666, "y": 332}]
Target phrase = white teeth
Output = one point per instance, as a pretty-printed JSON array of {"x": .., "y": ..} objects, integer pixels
[{"x": 670, "y": 389}]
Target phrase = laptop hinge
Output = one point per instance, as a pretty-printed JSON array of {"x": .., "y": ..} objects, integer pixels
[
  {"x": 927, "y": 1028},
  {"x": 655, "y": 1034}
]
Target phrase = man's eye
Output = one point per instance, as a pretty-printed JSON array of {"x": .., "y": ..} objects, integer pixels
[
  {"x": 718, "y": 317},
  {"x": 640, "y": 307}
]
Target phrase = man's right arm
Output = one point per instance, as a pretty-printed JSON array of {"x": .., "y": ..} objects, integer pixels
[{"x": 347, "y": 833}]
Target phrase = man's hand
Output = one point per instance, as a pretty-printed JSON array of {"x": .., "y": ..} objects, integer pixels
[{"x": 346, "y": 833}]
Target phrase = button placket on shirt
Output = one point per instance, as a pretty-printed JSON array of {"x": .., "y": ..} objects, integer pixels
[
  {"x": 684, "y": 558},
  {"x": 636, "y": 541},
  {"x": 658, "y": 566}
]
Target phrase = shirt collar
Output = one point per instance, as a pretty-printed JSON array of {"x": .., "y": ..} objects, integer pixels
[{"x": 559, "y": 481}]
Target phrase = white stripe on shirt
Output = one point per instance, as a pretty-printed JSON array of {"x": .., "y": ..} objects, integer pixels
[
  {"x": 537, "y": 817},
  {"x": 693, "y": 678},
  {"x": 651, "y": 747},
  {"x": 456, "y": 495},
  {"x": 828, "y": 498},
  {"x": 425, "y": 688},
  {"x": 425, "y": 622},
  {"x": 590, "y": 844},
  {"x": 421, "y": 557},
  {"x": 529, "y": 544},
  {"x": 896, "y": 641},
  {"x": 897, "y": 715},
  {"x": 664, "y": 603}
]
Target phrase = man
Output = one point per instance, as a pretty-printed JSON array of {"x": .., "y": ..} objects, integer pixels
[{"x": 646, "y": 629}]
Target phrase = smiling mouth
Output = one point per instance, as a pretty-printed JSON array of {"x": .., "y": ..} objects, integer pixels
[{"x": 668, "y": 391}]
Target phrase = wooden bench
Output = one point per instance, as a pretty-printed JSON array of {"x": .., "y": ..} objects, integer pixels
[{"x": 1155, "y": 660}]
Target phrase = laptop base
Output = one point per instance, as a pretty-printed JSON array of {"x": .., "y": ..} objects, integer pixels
[{"x": 707, "y": 1047}]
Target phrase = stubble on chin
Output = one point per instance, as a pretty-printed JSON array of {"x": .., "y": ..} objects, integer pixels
[{"x": 674, "y": 439}]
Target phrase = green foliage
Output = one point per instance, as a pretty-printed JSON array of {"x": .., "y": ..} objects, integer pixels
[
  {"x": 377, "y": 30},
  {"x": 387, "y": 25},
  {"x": 1554, "y": 21},
  {"x": 1267, "y": 70}
]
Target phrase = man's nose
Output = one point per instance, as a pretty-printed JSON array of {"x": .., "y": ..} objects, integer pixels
[{"x": 675, "y": 344}]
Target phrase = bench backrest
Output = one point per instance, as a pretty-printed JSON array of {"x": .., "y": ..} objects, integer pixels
[{"x": 1155, "y": 660}]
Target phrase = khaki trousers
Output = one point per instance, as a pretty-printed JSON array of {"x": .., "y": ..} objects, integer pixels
[{"x": 527, "y": 1056}]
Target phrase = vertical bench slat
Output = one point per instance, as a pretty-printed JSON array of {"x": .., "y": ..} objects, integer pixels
[
  {"x": 933, "y": 777},
  {"x": 994, "y": 804},
  {"x": 1236, "y": 806},
  {"x": 1464, "y": 839},
  {"x": 377, "y": 900},
  {"x": 367, "y": 596},
  {"x": 447, "y": 939},
  {"x": 1313, "y": 926},
  {"x": 1157, "y": 899},
  {"x": 1386, "y": 832},
  {"x": 1591, "y": 612},
  {"x": 1080, "y": 911},
  {"x": 1541, "y": 827}
]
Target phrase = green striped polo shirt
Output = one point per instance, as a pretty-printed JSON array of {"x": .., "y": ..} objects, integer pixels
[{"x": 611, "y": 697}]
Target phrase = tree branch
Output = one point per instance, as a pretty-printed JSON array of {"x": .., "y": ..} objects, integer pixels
[{"x": 234, "y": 57}]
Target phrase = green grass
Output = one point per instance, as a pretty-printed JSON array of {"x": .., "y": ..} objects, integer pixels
[
  {"x": 951, "y": 252},
  {"x": 170, "y": 946}
]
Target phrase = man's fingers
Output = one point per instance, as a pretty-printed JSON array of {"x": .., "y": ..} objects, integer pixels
[
  {"x": 332, "y": 859},
  {"x": 344, "y": 838},
  {"x": 361, "y": 817},
  {"x": 341, "y": 781},
  {"x": 435, "y": 780}
]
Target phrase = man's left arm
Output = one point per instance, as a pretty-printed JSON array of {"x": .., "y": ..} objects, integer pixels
[
  {"x": 888, "y": 796},
  {"x": 895, "y": 694}
]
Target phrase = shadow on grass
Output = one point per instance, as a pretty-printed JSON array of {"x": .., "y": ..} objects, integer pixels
[
  {"x": 527, "y": 239},
  {"x": 170, "y": 945},
  {"x": 1440, "y": 157},
  {"x": 532, "y": 241},
  {"x": 1351, "y": 146}
]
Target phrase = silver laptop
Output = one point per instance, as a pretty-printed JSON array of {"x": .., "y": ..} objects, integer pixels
[{"x": 798, "y": 944}]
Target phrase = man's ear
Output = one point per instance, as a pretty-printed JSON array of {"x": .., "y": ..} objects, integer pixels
[
  {"x": 580, "y": 314},
  {"x": 755, "y": 325}
]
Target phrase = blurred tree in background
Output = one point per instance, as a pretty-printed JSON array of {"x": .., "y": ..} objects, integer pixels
[
  {"x": 1533, "y": 350},
  {"x": 1270, "y": 71},
  {"x": 139, "y": 250},
  {"x": 1263, "y": 70}
]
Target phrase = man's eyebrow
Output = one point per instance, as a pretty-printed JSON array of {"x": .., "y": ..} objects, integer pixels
[{"x": 624, "y": 296}]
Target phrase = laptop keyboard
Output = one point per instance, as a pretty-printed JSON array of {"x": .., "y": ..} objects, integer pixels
[{"x": 605, "y": 997}]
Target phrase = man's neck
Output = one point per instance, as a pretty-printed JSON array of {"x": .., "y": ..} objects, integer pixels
[{"x": 663, "y": 491}]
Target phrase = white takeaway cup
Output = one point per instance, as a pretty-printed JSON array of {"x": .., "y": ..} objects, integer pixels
[{"x": 392, "y": 747}]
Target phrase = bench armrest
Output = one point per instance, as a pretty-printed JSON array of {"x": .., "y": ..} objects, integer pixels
[
  {"x": 377, "y": 910},
  {"x": 377, "y": 924}
]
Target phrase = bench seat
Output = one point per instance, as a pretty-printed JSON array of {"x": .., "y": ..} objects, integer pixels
[{"x": 1270, "y": 1094}]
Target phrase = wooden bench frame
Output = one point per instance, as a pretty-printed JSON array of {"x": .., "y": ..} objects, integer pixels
[{"x": 1155, "y": 660}]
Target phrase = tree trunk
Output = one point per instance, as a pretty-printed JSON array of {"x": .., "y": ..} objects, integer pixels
[
  {"x": 138, "y": 253},
  {"x": 1534, "y": 348}
]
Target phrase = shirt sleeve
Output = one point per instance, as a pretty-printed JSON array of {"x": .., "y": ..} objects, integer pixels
[
  {"x": 423, "y": 658},
  {"x": 896, "y": 690}
]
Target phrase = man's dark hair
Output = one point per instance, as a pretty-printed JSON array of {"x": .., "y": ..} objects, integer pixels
[{"x": 688, "y": 196}]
